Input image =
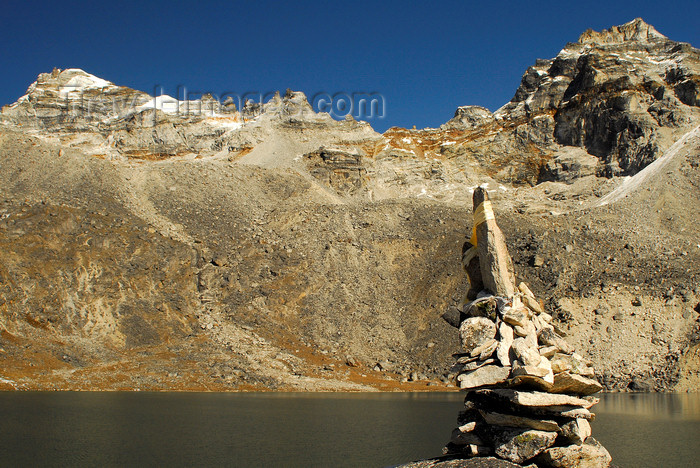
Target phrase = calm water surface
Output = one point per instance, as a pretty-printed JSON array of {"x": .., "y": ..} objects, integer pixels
[{"x": 205, "y": 429}]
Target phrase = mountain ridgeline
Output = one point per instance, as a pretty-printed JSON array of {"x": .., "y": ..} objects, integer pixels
[{"x": 152, "y": 243}]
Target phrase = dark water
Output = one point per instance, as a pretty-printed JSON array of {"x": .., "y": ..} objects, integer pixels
[
  {"x": 205, "y": 429},
  {"x": 650, "y": 430}
]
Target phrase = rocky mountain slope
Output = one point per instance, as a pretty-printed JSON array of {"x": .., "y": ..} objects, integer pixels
[{"x": 152, "y": 243}]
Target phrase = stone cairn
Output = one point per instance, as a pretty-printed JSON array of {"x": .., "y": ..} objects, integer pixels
[{"x": 528, "y": 393}]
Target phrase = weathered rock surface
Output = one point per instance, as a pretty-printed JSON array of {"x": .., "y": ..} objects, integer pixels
[
  {"x": 340, "y": 169},
  {"x": 576, "y": 431},
  {"x": 446, "y": 462},
  {"x": 527, "y": 354},
  {"x": 517, "y": 317},
  {"x": 536, "y": 399},
  {"x": 475, "y": 331},
  {"x": 518, "y": 446},
  {"x": 511, "y": 420},
  {"x": 505, "y": 336},
  {"x": 604, "y": 105},
  {"x": 566, "y": 382},
  {"x": 496, "y": 265},
  {"x": 568, "y": 165},
  {"x": 573, "y": 363},
  {"x": 549, "y": 337},
  {"x": 484, "y": 376},
  {"x": 589, "y": 455}
]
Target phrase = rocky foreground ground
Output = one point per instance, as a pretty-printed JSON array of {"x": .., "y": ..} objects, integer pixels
[{"x": 272, "y": 247}]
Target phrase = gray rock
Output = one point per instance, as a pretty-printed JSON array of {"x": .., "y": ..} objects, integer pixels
[
  {"x": 496, "y": 265},
  {"x": 518, "y": 445},
  {"x": 530, "y": 382},
  {"x": 469, "y": 117},
  {"x": 529, "y": 329},
  {"x": 529, "y": 299},
  {"x": 567, "y": 382},
  {"x": 538, "y": 399},
  {"x": 511, "y": 420},
  {"x": 488, "y": 349},
  {"x": 339, "y": 168},
  {"x": 465, "y": 358},
  {"x": 516, "y": 317},
  {"x": 569, "y": 163},
  {"x": 483, "y": 376},
  {"x": 495, "y": 400},
  {"x": 549, "y": 337},
  {"x": 540, "y": 323},
  {"x": 473, "y": 365},
  {"x": 465, "y": 438},
  {"x": 571, "y": 413},
  {"x": 641, "y": 383},
  {"x": 475, "y": 331},
  {"x": 528, "y": 355},
  {"x": 573, "y": 363},
  {"x": 576, "y": 431},
  {"x": 485, "y": 346},
  {"x": 548, "y": 352},
  {"x": 505, "y": 337},
  {"x": 385, "y": 365},
  {"x": 589, "y": 455},
  {"x": 446, "y": 462},
  {"x": 543, "y": 370},
  {"x": 452, "y": 316}
]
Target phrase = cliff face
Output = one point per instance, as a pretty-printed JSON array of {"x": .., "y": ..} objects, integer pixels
[
  {"x": 154, "y": 243},
  {"x": 622, "y": 96}
]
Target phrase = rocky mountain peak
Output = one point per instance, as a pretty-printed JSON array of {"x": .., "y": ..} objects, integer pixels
[
  {"x": 635, "y": 30},
  {"x": 469, "y": 117},
  {"x": 607, "y": 105},
  {"x": 70, "y": 77},
  {"x": 293, "y": 104},
  {"x": 70, "y": 84}
]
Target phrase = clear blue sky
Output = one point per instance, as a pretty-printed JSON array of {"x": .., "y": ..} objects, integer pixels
[{"x": 425, "y": 58}]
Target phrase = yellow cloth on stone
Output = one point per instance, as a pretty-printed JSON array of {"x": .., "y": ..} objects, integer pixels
[{"x": 483, "y": 213}]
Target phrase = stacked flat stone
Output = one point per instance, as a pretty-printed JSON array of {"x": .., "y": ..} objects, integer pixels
[{"x": 528, "y": 393}]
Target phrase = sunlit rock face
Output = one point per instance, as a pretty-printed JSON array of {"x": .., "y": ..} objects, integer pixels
[
  {"x": 622, "y": 95},
  {"x": 617, "y": 93}
]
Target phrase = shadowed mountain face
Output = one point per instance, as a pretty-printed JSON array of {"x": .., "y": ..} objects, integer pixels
[{"x": 153, "y": 243}]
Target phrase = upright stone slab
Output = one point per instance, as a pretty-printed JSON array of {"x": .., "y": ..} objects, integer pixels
[
  {"x": 470, "y": 262},
  {"x": 495, "y": 263}
]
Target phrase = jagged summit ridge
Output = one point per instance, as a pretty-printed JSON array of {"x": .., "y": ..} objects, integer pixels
[
  {"x": 107, "y": 120},
  {"x": 635, "y": 30},
  {"x": 73, "y": 94}
]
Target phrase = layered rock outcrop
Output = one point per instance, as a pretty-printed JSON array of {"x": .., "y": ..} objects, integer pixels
[
  {"x": 622, "y": 96},
  {"x": 83, "y": 111}
]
